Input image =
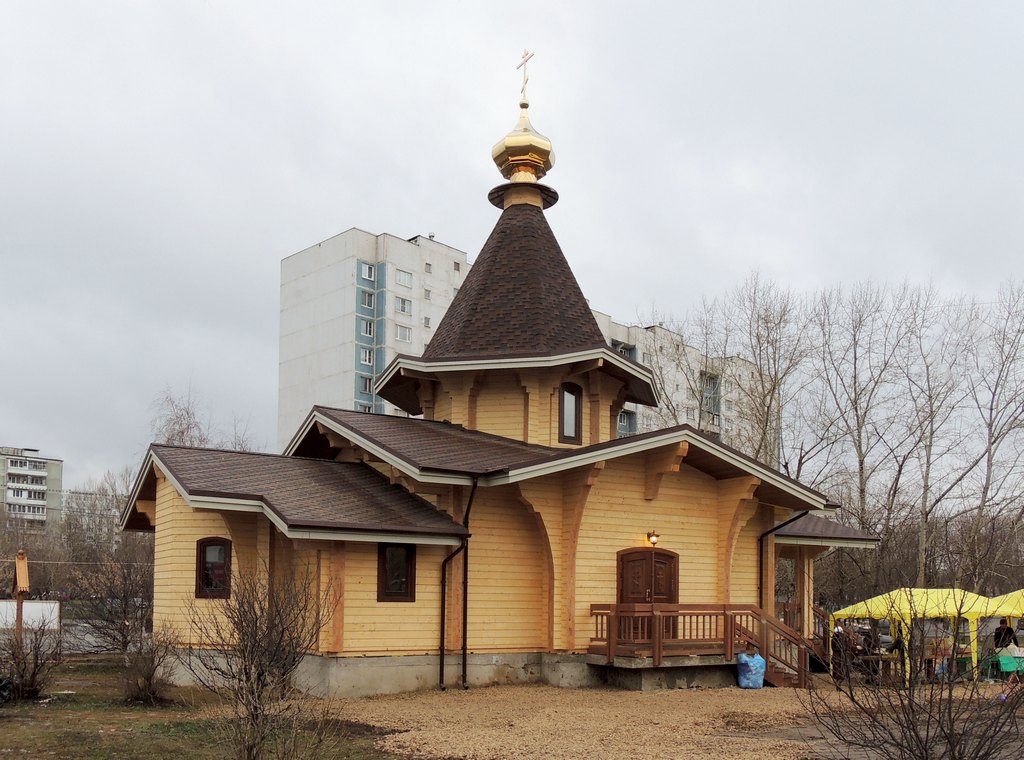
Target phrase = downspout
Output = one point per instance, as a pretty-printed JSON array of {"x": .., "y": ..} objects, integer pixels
[
  {"x": 464, "y": 547},
  {"x": 760, "y": 553}
]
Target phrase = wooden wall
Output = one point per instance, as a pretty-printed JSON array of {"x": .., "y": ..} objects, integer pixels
[{"x": 178, "y": 528}]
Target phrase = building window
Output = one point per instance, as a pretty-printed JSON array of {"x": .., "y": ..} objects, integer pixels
[
  {"x": 365, "y": 408},
  {"x": 455, "y": 292},
  {"x": 213, "y": 568},
  {"x": 369, "y": 272},
  {"x": 403, "y": 278},
  {"x": 426, "y": 267},
  {"x": 396, "y": 573},
  {"x": 458, "y": 267},
  {"x": 570, "y": 414},
  {"x": 403, "y": 305},
  {"x": 366, "y": 327},
  {"x": 711, "y": 397},
  {"x": 690, "y": 415},
  {"x": 403, "y": 333},
  {"x": 426, "y": 295},
  {"x": 366, "y": 298},
  {"x": 366, "y": 356},
  {"x": 426, "y": 321},
  {"x": 365, "y": 384}
]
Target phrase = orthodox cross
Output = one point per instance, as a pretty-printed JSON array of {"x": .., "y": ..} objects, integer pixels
[{"x": 527, "y": 55}]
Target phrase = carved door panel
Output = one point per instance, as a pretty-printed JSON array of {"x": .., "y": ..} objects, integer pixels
[{"x": 635, "y": 578}]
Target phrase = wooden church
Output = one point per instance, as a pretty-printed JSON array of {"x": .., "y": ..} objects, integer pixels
[{"x": 502, "y": 534}]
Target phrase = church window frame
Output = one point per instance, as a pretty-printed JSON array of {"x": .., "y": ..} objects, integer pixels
[
  {"x": 570, "y": 413},
  {"x": 396, "y": 572},
  {"x": 213, "y": 582}
]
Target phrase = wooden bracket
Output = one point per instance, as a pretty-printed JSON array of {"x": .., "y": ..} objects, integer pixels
[{"x": 658, "y": 463}]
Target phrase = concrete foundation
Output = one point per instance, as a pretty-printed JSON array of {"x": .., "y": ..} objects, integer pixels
[{"x": 367, "y": 676}]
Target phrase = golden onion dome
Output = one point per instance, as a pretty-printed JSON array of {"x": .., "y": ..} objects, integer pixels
[{"x": 524, "y": 154}]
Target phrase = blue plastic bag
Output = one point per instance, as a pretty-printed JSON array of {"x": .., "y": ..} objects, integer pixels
[{"x": 751, "y": 670}]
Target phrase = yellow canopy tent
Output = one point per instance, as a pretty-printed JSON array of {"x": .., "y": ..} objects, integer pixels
[
  {"x": 903, "y": 605},
  {"x": 1007, "y": 606}
]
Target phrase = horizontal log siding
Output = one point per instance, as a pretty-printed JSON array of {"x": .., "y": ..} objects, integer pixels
[
  {"x": 508, "y": 576},
  {"x": 617, "y": 517},
  {"x": 745, "y": 565},
  {"x": 499, "y": 406},
  {"x": 392, "y": 628},
  {"x": 178, "y": 527}
]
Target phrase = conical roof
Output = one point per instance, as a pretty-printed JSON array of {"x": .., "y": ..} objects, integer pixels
[{"x": 519, "y": 299}]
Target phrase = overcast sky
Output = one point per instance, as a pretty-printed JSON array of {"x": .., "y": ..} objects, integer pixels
[{"x": 159, "y": 159}]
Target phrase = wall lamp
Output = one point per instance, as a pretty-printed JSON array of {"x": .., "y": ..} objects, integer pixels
[{"x": 652, "y": 536}]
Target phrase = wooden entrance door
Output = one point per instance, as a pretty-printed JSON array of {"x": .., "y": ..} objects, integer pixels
[{"x": 648, "y": 576}]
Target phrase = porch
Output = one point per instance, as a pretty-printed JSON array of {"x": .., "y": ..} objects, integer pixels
[{"x": 654, "y": 635}]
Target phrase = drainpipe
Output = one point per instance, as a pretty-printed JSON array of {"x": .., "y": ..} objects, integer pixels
[
  {"x": 760, "y": 553},
  {"x": 463, "y": 548}
]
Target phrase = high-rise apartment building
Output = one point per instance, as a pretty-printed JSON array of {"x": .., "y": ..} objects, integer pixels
[
  {"x": 350, "y": 304},
  {"x": 31, "y": 488}
]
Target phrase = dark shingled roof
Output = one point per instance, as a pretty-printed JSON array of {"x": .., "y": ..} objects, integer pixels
[
  {"x": 444, "y": 447},
  {"x": 430, "y": 445},
  {"x": 519, "y": 299},
  {"x": 810, "y": 526},
  {"x": 306, "y": 493}
]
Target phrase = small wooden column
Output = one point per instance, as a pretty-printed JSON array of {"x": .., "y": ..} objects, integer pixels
[{"x": 20, "y": 588}]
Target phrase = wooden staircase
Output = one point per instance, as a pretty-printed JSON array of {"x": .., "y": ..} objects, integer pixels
[{"x": 661, "y": 631}]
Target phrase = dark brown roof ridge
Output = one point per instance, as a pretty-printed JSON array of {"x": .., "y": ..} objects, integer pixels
[{"x": 519, "y": 299}]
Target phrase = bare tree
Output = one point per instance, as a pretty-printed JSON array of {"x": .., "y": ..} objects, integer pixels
[
  {"x": 931, "y": 706},
  {"x": 181, "y": 420},
  {"x": 995, "y": 380},
  {"x": 768, "y": 329},
  {"x": 246, "y": 649}
]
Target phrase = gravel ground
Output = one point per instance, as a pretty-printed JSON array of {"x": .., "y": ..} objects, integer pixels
[{"x": 547, "y": 722}]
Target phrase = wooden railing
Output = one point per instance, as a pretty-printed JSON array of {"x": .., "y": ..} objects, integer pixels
[
  {"x": 791, "y": 614},
  {"x": 670, "y": 630}
]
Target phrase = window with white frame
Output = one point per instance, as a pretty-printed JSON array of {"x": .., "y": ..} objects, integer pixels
[
  {"x": 691, "y": 415},
  {"x": 366, "y": 298},
  {"x": 403, "y": 333},
  {"x": 426, "y": 267},
  {"x": 366, "y": 327},
  {"x": 426, "y": 295},
  {"x": 365, "y": 408},
  {"x": 365, "y": 384},
  {"x": 426, "y": 321},
  {"x": 458, "y": 267},
  {"x": 366, "y": 356},
  {"x": 403, "y": 278},
  {"x": 369, "y": 272},
  {"x": 403, "y": 305}
]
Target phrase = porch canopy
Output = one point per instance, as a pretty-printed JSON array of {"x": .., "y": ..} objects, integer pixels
[{"x": 903, "y": 605}]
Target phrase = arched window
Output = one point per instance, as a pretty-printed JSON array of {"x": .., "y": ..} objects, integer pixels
[
  {"x": 213, "y": 568},
  {"x": 570, "y": 414}
]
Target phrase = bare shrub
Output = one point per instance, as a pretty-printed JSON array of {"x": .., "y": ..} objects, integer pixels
[
  {"x": 933, "y": 704},
  {"x": 144, "y": 664},
  {"x": 33, "y": 658},
  {"x": 246, "y": 650}
]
